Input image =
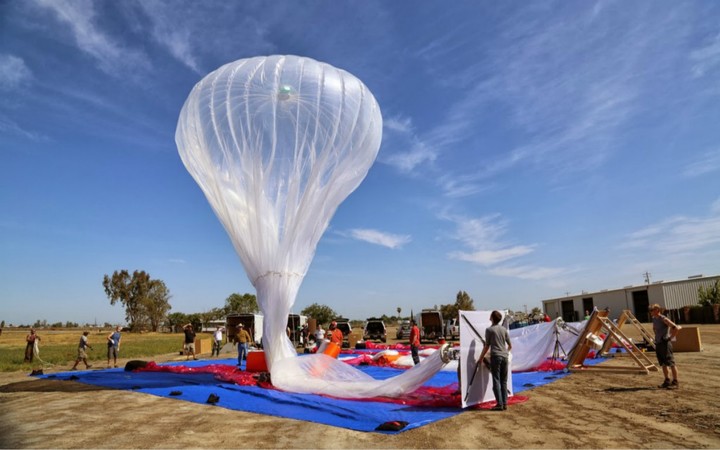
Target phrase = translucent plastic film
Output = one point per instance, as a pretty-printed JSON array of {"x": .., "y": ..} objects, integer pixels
[{"x": 276, "y": 144}]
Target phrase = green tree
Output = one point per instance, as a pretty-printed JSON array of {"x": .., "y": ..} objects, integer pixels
[
  {"x": 156, "y": 304},
  {"x": 213, "y": 314},
  {"x": 463, "y": 302},
  {"x": 136, "y": 294},
  {"x": 176, "y": 320},
  {"x": 2, "y": 324},
  {"x": 196, "y": 321},
  {"x": 709, "y": 295},
  {"x": 323, "y": 314},
  {"x": 243, "y": 304}
]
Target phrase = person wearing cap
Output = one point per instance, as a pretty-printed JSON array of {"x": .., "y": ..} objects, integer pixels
[
  {"x": 336, "y": 335},
  {"x": 243, "y": 340}
]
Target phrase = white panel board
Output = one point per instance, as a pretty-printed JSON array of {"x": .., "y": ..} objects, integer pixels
[{"x": 475, "y": 379}]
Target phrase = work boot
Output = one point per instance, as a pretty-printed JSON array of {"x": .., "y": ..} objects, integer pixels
[
  {"x": 674, "y": 384},
  {"x": 666, "y": 384}
]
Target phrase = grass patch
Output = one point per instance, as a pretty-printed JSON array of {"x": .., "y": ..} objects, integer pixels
[{"x": 59, "y": 347}]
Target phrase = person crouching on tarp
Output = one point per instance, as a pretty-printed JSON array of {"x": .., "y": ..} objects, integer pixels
[
  {"x": 497, "y": 341},
  {"x": 243, "y": 339}
]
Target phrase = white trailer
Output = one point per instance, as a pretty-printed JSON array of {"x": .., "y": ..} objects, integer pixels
[{"x": 253, "y": 323}]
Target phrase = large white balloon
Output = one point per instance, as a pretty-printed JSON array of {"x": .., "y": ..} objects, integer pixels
[{"x": 276, "y": 144}]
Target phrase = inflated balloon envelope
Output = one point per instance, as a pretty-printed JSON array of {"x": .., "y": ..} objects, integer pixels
[{"x": 276, "y": 143}]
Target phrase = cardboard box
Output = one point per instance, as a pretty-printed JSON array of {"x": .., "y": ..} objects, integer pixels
[
  {"x": 688, "y": 340},
  {"x": 203, "y": 346},
  {"x": 353, "y": 338}
]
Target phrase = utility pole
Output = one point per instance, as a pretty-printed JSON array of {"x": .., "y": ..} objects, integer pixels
[{"x": 647, "y": 277}]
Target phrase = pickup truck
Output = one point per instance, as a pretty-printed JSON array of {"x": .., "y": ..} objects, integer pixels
[{"x": 452, "y": 329}]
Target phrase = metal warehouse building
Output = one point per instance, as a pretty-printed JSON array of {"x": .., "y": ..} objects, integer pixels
[{"x": 672, "y": 295}]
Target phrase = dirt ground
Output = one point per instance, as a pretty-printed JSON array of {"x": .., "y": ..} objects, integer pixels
[{"x": 584, "y": 410}]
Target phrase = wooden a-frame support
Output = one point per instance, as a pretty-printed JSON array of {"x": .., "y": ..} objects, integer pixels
[
  {"x": 627, "y": 316},
  {"x": 598, "y": 322}
]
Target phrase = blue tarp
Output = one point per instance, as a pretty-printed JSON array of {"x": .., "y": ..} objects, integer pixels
[{"x": 354, "y": 415}]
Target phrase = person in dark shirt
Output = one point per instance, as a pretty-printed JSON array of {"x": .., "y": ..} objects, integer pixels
[{"x": 189, "y": 345}]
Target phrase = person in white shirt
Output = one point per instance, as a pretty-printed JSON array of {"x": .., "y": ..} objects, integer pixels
[
  {"x": 319, "y": 335},
  {"x": 217, "y": 341}
]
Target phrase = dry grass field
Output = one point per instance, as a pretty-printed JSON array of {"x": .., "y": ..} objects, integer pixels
[{"x": 584, "y": 410}]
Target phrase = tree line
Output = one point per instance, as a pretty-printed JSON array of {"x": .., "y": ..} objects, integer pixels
[{"x": 147, "y": 304}]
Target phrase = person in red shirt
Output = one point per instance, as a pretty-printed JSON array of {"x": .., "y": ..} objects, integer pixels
[
  {"x": 336, "y": 335},
  {"x": 546, "y": 318},
  {"x": 414, "y": 341}
]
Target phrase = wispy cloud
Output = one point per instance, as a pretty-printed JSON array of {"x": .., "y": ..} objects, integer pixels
[
  {"x": 706, "y": 58},
  {"x": 80, "y": 17},
  {"x": 389, "y": 240},
  {"x": 10, "y": 127},
  {"x": 715, "y": 207},
  {"x": 562, "y": 80},
  {"x": 678, "y": 234},
  {"x": 170, "y": 31},
  {"x": 400, "y": 134},
  {"x": 483, "y": 238},
  {"x": 528, "y": 272},
  {"x": 709, "y": 162},
  {"x": 486, "y": 247},
  {"x": 13, "y": 72}
]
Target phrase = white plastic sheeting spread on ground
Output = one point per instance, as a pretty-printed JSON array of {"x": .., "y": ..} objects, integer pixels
[
  {"x": 276, "y": 144},
  {"x": 534, "y": 344}
]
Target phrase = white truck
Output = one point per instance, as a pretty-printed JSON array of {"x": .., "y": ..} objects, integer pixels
[
  {"x": 430, "y": 323},
  {"x": 452, "y": 329},
  {"x": 295, "y": 324},
  {"x": 253, "y": 323}
]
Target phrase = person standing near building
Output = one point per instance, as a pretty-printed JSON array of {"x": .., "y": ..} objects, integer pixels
[
  {"x": 414, "y": 341},
  {"x": 217, "y": 341},
  {"x": 497, "y": 342},
  {"x": 30, "y": 346},
  {"x": 189, "y": 343},
  {"x": 113, "y": 346},
  {"x": 243, "y": 340},
  {"x": 82, "y": 351},
  {"x": 665, "y": 330}
]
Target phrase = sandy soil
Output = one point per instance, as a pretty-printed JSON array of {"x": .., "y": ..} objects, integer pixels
[{"x": 584, "y": 410}]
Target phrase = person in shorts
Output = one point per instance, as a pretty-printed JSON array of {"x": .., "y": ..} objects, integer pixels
[
  {"x": 665, "y": 330},
  {"x": 82, "y": 351},
  {"x": 189, "y": 345},
  {"x": 113, "y": 346}
]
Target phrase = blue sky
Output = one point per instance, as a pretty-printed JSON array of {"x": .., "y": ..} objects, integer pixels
[{"x": 530, "y": 149}]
